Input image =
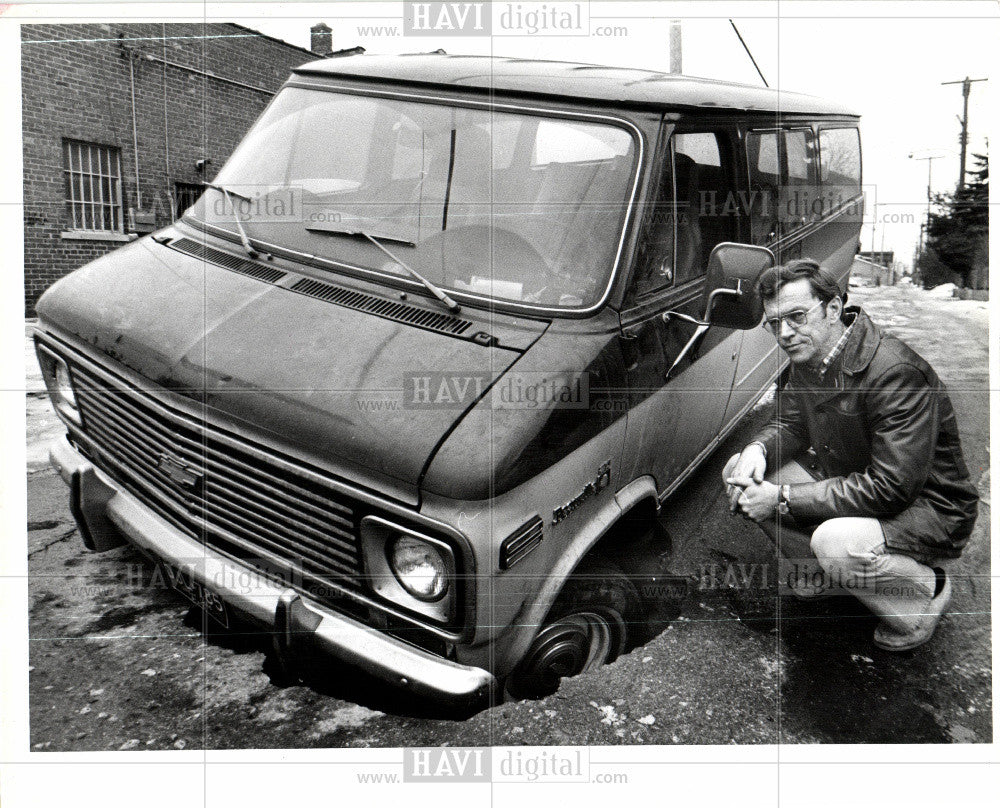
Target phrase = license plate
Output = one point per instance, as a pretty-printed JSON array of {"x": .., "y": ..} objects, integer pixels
[{"x": 200, "y": 595}]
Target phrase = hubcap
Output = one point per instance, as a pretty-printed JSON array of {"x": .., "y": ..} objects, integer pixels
[{"x": 572, "y": 644}]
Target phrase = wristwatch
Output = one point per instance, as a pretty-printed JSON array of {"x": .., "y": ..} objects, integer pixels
[{"x": 783, "y": 500}]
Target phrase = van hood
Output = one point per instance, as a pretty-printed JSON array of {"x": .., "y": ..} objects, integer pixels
[{"x": 329, "y": 384}]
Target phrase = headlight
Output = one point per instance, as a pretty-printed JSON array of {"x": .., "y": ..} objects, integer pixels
[
  {"x": 410, "y": 569},
  {"x": 419, "y": 567}
]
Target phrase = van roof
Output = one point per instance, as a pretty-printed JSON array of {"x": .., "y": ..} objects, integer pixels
[{"x": 628, "y": 86}]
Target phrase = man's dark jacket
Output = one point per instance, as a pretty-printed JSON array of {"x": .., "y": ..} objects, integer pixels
[{"x": 886, "y": 442}]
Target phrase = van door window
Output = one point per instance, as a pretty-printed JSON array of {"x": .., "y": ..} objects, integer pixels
[
  {"x": 784, "y": 182},
  {"x": 800, "y": 192},
  {"x": 765, "y": 185},
  {"x": 840, "y": 162},
  {"x": 690, "y": 216}
]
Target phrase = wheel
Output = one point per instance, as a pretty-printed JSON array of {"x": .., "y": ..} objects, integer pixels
[{"x": 588, "y": 626}]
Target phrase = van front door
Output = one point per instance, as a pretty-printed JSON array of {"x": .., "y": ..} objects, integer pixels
[{"x": 678, "y": 399}]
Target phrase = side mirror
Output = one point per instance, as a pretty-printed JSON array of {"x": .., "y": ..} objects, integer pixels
[{"x": 731, "y": 285}]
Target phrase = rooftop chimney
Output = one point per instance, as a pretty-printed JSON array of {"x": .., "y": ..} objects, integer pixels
[{"x": 321, "y": 40}]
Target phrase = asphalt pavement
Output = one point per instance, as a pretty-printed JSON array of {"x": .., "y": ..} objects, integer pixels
[{"x": 118, "y": 662}]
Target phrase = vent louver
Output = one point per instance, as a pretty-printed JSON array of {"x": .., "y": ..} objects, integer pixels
[
  {"x": 389, "y": 309},
  {"x": 521, "y": 542},
  {"x": 227, "y": 261}
]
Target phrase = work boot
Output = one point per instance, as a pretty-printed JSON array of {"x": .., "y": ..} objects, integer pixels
[{"x": 889, "y": 639}]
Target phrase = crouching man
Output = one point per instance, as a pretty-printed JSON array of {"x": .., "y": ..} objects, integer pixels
[{"x": 883, "y": 494}]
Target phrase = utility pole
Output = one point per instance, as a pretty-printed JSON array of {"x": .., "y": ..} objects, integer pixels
[
  {"x": 874, "y": 226},
  {"x": 676, "y": 52},
  {"x": 889, "y": 276},
  {"x": 925, "y": 227},
  {"x": 966, "y": 88}
]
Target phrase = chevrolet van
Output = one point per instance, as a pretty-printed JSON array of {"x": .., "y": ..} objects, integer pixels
[{"x": 409, "y": 385}]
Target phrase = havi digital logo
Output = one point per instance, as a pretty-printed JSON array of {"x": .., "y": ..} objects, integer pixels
[
  {"x": 470, "y": 765},
  {"x": 443, "y": 19}
]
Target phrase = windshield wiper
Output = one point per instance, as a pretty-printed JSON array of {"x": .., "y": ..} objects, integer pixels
[
  {"x": 244, "y": 239},
  {"x": 446, "y": 301}
]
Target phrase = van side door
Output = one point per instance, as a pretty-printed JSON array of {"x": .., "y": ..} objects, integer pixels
[{"x": 678, "y": 400}]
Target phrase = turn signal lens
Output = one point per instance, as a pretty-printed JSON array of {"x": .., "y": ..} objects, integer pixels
[
  {"x": 58, "y": 383},
  {"x": 64, "y": 386}
]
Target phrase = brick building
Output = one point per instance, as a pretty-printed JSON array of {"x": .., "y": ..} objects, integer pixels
[{"x": 122, "y": 122}]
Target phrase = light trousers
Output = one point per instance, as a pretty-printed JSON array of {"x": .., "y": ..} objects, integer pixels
[{"x": 848, "y": 555}]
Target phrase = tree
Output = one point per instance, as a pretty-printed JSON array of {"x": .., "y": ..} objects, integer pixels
[
  {"x": 958, "y": 233},
  {"x": 931, "y": 271}
]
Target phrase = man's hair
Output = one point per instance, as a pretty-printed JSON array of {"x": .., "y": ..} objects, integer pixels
[{"x": 822, "y": 282}]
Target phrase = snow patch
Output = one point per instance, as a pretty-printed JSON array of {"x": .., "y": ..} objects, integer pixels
[
  {"x": 350, "y": 717},
  {"x": 943, "y": 290},
  {"x": 610, "y": 716}
]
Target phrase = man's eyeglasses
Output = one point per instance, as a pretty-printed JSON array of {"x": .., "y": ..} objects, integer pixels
[{"x": 796, "y": 319}]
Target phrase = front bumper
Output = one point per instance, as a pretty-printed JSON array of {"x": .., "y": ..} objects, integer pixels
[{"x": 105, "y": 512}]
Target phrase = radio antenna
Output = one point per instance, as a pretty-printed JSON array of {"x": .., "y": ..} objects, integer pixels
[{"x": 744, "y": 44}]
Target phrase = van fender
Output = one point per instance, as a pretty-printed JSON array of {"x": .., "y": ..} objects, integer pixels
[{"x": 606, "y": 518}]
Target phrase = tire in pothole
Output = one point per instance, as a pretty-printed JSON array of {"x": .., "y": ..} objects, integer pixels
[{"x": 588, "y": 626}]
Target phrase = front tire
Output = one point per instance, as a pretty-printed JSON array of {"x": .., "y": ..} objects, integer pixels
[{"x": 588, "y": 626}]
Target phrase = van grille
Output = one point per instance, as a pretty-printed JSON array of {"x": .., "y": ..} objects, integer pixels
[{"x": 229, "y": 498}]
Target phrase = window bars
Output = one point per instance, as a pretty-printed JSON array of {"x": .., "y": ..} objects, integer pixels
[{"x": 93, "y": 185}]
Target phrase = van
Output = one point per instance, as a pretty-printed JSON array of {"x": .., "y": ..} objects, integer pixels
[{"x": 411, "y": 382}]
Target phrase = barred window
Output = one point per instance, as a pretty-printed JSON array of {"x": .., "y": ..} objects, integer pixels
[
  {"x": 185, "y": 195},
  {"x": 93, "y": 185}
]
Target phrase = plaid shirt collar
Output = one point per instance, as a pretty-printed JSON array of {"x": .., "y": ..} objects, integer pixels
[{"x": 838, "y": 349}]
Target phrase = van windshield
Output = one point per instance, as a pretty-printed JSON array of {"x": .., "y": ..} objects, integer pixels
[{"x": 516, "y": 207}]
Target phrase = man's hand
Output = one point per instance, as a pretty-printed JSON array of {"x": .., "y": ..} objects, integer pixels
[
  {"x": 743, "y": 469},
  {"x": 759, "y": 501}
]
